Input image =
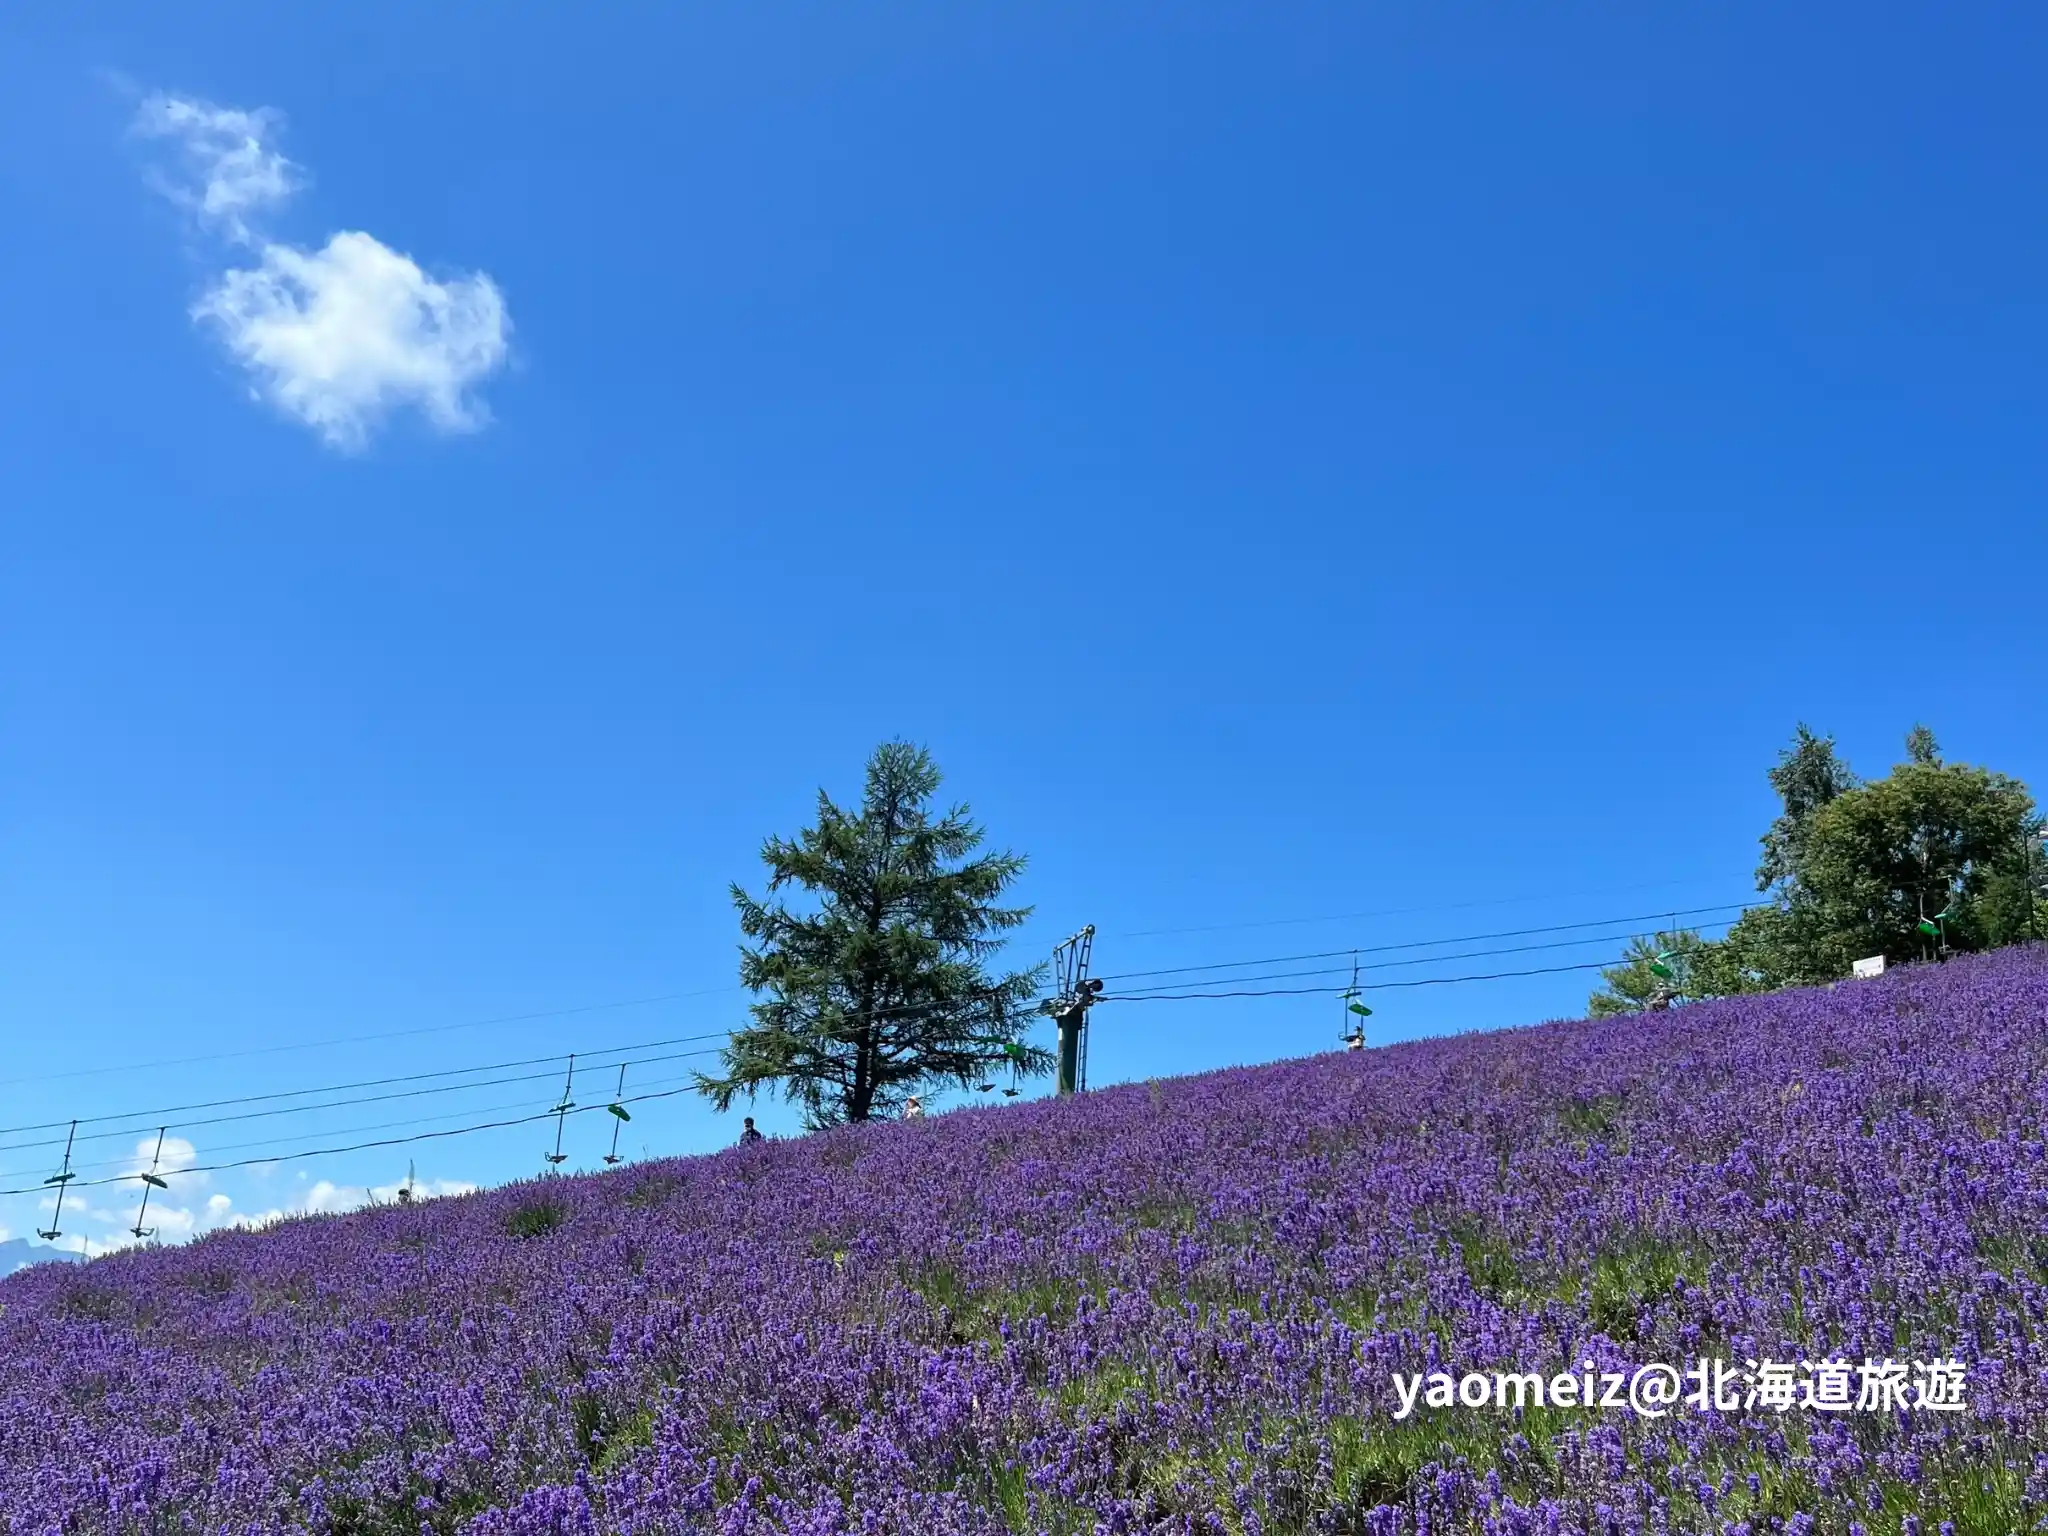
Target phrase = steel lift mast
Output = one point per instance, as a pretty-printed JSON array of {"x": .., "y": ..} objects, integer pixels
[{"x": 1069, "y": 1008}]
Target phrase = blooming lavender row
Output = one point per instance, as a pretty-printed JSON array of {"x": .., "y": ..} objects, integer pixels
[{"x": 1168, "y": 1307}]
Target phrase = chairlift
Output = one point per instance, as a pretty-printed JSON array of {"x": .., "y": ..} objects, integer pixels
[
  {"x": 62, "y": 1180},
  {"x": 561, "y": 1114},
  {"x": 1015, "y": 1052},
  {"x": 1931, "y": 926},
  {"x": 1355, "y": 1012},
  {"x": 617, "y": 1110},
  {"x": 150, "y": 1181}
]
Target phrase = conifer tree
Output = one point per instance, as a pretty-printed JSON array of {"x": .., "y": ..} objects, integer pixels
[{"x": 881, "y": 990}]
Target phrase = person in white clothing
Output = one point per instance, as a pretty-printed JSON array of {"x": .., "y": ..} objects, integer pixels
[{"x": 913, "y": 1108}]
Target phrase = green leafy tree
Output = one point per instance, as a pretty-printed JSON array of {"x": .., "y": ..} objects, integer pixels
[
  {"x": 2013, "y": 908},
  {"x": 1926, "y": 842},
  {"x": 1752, "y": 956},
  {"x": 1855, "y": 868},
  {"x": 1809, "y": 775},
  {"x": 1653, "y": 973},
  {"x": 1768, "y": 946},
  {"x": 881, "y": 990}
]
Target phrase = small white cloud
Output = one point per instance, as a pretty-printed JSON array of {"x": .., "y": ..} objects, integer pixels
[
  {"x": 163, "y": 1221},
  {"x": 79, "y": 1208},
  {"x": 115, "y": 1215},
  {"x": 168, "y": 1223},
  {"x": 340, "y": 337},
  {"x": 325, "y": 1196},
  {"x": 229, "y": 172}
]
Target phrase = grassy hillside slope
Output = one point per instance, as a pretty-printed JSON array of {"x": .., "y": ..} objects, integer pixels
[{"x": 1171, "y": 1307}]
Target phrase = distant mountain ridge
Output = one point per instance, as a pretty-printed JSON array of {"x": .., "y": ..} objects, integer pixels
[{"x": 18, "y": 1253}]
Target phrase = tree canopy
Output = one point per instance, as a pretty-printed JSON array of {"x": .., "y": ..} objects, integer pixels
[
  {"x": 1653, "y": 973},
  {"x": 1920, "y": 844},
  {"x": 1855, "y": 869},
  {"x": 881, "y": 990}
]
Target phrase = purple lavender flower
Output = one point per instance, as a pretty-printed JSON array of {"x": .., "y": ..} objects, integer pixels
[{"x": 1163, "y": 1310}]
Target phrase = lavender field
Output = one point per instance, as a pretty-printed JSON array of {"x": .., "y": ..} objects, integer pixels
[{"x": 1171, "y": 1307}]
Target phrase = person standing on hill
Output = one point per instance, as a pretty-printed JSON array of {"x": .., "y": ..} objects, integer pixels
[
  {"x": 748, "y": 1135},
  {"x": 913, "y": 1108}
]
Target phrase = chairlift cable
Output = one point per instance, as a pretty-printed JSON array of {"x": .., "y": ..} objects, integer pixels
[{"x": 1470, "y": 938}]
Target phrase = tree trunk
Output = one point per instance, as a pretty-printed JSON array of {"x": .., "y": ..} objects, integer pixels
[{"x": 861, "y": 1103}]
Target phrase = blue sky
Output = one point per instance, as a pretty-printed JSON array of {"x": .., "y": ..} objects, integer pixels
[{"x": 1285, "y": 462}]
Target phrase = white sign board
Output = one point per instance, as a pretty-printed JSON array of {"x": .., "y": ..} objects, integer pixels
[{"x": 1874, "y": 966}]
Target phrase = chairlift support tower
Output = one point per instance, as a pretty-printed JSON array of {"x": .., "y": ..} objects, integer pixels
[{"x": 1069, "y": 1008}]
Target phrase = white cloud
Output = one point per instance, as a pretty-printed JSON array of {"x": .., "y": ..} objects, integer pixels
[
  {"x": 178, "y": 1154},
  {"x": 113, "y": 1209},
  {"x": 79, "y": 1207},
  {"x": 229, "y": 172},
  {"x": 325, "y": 1197},
  {"x": 341, "y": 336},
  {"x": 168, "y": 1223},
  {"x": 338, "y": 337},
  {"x": 164, "y": 1222}
]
